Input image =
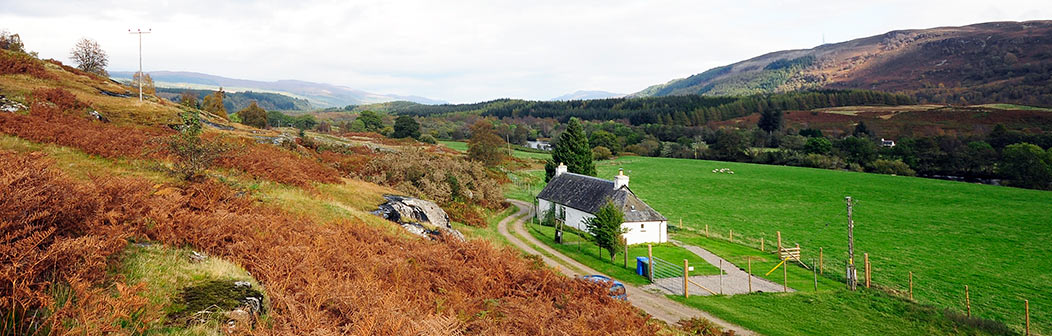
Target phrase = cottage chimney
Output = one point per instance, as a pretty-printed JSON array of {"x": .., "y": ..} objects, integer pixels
[
  {"x": 560, "y": 169},
  {"x": 621, "y": 180}
]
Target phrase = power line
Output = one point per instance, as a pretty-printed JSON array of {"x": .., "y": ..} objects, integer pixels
[{"x": 140, "y": 32}]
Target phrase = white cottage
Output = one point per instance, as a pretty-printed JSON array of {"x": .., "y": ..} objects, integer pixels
[{"x": 579, "y": 197}]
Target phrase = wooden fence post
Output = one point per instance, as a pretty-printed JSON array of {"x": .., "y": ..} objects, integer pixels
[
  {"x": 1026, "y": 304},
  {"x": 626, "y": 255},
  {"x": 721, "y": 276},
  {"x": 866, "y": 257},
  {"x": 911, "y": 285},
  {"x": 785, "y": 278},
  {"x": 761, "y": 245},
  {"x": 732, "y": 234},
  {"x": 686, "y": 276},
  {"x": 815, "y": 271},
  {"x": 750, "y": 274},
  {"x": 779, "y": 233},
  {"x": 706, "y": 231},
  {"x": 650, "y": 263},
  {"x": 821, "y": 262},
  {"x": 967, "y": 301}
]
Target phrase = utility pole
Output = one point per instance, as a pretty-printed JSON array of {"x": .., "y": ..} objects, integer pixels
[
  {"x": 851, "y": 274},
  {"x": 140, "y": 32}
]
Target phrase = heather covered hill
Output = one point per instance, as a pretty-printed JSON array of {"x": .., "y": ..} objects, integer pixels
[
  {"x": 101, "y": 231},
  {"x": 995, "y": 62}
]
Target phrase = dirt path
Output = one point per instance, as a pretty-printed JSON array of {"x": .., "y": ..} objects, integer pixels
[
  {"x": 734, "y": 280},
  {"x": 656, "y": 305}
]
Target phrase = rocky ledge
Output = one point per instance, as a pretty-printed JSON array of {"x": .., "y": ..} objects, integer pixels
[{"x": 419, "y": 217}]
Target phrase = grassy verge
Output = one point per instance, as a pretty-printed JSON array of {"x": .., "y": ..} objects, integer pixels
[
  {"x": 864, "y": 312},
  {"x": 489, "y": 232},
  {"x": 588, "y": 253}
]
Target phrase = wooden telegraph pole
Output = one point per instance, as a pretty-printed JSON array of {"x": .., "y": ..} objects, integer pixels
[
  {"x": 141, "y": 75},
  {"x": 851, "y": 275}
]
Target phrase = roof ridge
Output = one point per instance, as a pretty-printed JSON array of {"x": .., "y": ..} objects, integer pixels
[{"x": 589, "y": 176}]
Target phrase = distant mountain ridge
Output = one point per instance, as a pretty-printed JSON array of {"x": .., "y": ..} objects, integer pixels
[
  {"x": 586, "y": 94},
  {"x": 319, "y": 94},
  {"x": 980, "y": 63}
]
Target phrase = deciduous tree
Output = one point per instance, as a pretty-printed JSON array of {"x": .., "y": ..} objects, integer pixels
[
  {"x": 214, "y": 103},
  {"x": 485, "y": 145},
  {"x": 90, "y": 57},
  {"x": 371, "y": 122},
  {"x": 254, "y": 116},
  {"x": 1027, "y": 165},
  {"x": 147, "y": 83}
]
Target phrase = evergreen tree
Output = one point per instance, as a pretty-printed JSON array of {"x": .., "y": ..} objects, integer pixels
[
  {"x": 770, "y": 121},
  {"x": 572, "y": 149},
  {"x": 406, "y": 127},
  {"x": 605, "y": 229},
  {"x": 862, "y": 131}
]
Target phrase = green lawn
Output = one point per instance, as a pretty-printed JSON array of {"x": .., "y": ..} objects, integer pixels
[
  {"x": 841, "y": 312},
  {"x": 587, "y": 253},
  {"x": 463, "y": 147},
  {"x": 949, "y": 234}
]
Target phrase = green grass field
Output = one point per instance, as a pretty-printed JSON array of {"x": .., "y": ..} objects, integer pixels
[
  {"x": 949, "y": 234},
  {"x": 463, "y": 147},
  {"x": 587, "y": 253}
]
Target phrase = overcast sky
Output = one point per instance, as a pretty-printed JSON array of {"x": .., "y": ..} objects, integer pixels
[{"x": 467, "y": 51}]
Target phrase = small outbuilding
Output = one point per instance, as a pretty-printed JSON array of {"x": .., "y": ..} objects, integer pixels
[{"x": 578, "y": 197}]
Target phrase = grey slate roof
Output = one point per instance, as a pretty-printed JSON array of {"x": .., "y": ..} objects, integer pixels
[{"x": 588, "y": 194}]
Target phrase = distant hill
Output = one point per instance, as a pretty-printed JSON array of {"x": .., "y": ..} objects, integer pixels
[
  {"x": 583, "y": 95},
  {"x": 235, "y": 101},
  {"x": 319, "y": 94},
  {"x": 982, "y": 63}
]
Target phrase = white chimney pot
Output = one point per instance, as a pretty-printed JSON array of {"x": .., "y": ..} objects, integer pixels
[
  {"x": 560, "y": 169},
  {"x": 621, "y": 180}
]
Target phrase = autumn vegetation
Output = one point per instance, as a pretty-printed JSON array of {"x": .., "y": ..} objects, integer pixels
[{"x": 348, "y": 277}]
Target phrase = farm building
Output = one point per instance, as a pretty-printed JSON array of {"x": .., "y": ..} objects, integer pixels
[{"x": 578, "y": 197}]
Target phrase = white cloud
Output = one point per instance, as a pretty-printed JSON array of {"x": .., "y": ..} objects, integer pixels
[{"x": 472, "y": 50}]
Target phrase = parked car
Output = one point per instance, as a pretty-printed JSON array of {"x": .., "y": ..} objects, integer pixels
[{"x": 617, "y": 289}]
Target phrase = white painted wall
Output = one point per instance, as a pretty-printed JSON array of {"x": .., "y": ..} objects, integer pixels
[
  {"x": 646, "y": 232},
  {"x": 638, "y": 232}
]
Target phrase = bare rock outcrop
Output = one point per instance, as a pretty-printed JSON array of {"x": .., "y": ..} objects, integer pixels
[{"x": 420, "y": 217}]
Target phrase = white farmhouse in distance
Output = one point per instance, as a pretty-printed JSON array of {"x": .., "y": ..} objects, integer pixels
[{"x": 579, "y": 197}]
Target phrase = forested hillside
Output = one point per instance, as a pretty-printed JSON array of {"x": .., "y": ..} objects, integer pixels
[
  {"x": 687, "y": 110},
  {"x": 997, "y": 62},
  {"x": 235, "y": 101}
]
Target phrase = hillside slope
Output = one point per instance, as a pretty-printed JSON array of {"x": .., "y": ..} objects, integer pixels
[
  {"x": 320, "y": 94},
  {"x": 981, "y": 63}
]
